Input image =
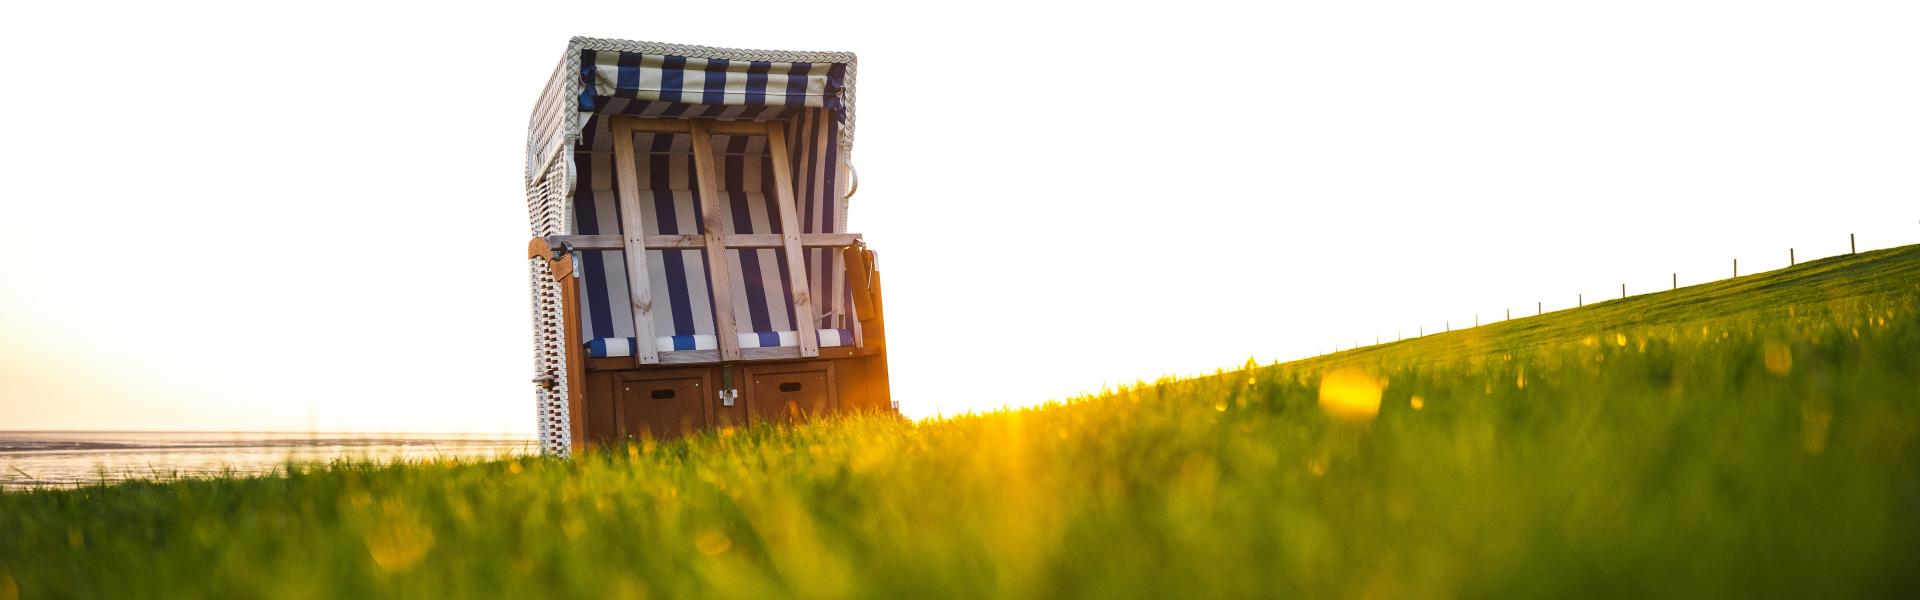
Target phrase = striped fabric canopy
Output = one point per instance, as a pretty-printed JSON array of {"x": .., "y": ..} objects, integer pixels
[{"x": 687, "y": 86}]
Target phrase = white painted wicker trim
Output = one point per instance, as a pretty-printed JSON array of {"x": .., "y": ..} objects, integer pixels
[{"x": 550, "y": 404}]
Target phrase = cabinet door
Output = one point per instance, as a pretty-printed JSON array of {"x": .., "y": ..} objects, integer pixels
[
  {"x": 664, "y": 407},
  {"x": 790, "y": 395}
]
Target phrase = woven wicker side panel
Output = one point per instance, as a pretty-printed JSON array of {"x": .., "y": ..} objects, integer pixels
[
  {"x": 546, "y": 215},
  {"x": 547, "y": 200},
  {"x": 549, "y": 359},
  {"x": 548, "y": 128}
]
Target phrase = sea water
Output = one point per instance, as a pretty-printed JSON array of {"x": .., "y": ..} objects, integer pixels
[{"x": 60, "y": 459}]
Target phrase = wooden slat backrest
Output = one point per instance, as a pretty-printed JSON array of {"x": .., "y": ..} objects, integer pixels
[{"x": 634, "y": 241}]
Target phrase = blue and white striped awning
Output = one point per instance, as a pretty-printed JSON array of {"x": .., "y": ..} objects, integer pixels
[
  {"x": 660, "y": 80},
  {"x": 698, "y": 86}
]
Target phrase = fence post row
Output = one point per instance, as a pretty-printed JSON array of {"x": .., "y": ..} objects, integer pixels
[{"x": 1540, "y": 308}]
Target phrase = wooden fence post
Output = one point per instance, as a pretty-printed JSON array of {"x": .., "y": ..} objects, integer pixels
[
  {"x": 1791, "y": 260},
  {"x": 1623, "y": 290},
  {"x": 1736, "y": 267},
  {"x": 1851, "y": 248},
  {"x": 1539, "y": 308},
  {"x": 1583, "y": 300},
  {"x": 1676, "y": 281}
]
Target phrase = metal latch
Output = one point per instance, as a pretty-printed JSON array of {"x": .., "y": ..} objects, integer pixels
[{"x": 727, "y": 391}]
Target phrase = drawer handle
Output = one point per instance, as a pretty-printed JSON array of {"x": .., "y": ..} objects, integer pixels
[
  {"x": 664, "y": 394},
  {"x": 791, "y": 386}
]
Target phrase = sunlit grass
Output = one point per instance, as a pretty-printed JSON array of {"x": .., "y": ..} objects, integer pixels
[{"x": 1760, "y": 435}]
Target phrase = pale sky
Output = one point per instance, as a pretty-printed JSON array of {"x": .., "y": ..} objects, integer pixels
[{"x": 253, "y": 216}]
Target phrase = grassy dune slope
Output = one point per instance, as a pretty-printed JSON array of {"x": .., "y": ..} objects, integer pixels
[{"x": 1760, "y": 435}]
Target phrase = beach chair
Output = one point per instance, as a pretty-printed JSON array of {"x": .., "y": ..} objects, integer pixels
[{"x": 690, "y": 259}]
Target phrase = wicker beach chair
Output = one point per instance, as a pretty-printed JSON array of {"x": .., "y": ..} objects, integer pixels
[{"x": 645, "y": 162}]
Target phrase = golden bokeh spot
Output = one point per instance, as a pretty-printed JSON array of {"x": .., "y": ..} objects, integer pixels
[
  {"x": 1620, "y": 339},
  {"x": 1349, "y": 393},
  {"x": 514, "y": 467},
  {"x": 712, "y": 542},
  {"x": 1317, "y": 467},
  {"x": 1520, "y": 381},
  {"x": 1590, "y": 341},
  {"x": 1778, "y": 358},
  {"x": 400, "y": 540},
  {"x": 1416, "y": 402},
  {"x": 1251, "y": 381},
  {"x": 1220, "y": 405}
]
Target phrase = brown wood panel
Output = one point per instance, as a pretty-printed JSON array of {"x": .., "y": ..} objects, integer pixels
[
  {"x": 663, "y": 404},
  {"x": 861, "y": 385},
  {"x": 788, "y": 393},
  {"x": 596, "y": 416},
  {"x": 576, "y": 359}
]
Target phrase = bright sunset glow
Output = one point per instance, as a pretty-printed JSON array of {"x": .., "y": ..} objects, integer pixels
[
  {"x": 307, "y": 217},
  {"x": 1216, "y": 299}
]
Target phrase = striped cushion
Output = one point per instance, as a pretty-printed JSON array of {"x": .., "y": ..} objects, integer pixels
[{"x": 615, "y": 347}]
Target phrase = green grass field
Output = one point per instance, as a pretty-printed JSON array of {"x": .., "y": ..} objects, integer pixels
[{"x": 1758, "y": 436}]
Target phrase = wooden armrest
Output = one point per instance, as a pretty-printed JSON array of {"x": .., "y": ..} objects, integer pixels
[{"x": 561, "y": 266}]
